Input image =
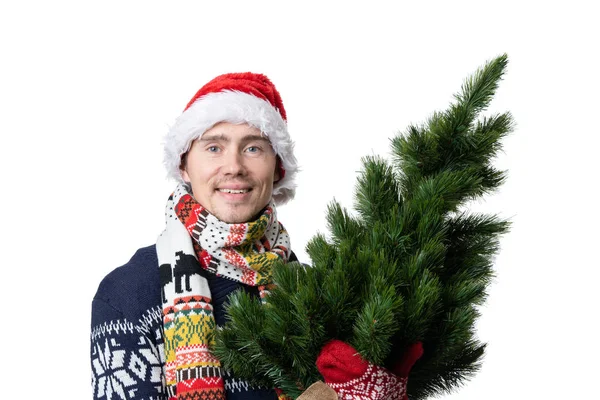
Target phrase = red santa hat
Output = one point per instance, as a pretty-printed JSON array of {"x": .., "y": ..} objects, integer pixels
[{"x": 236, "y": 98}]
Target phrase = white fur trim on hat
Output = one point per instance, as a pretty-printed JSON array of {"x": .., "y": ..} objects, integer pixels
[{"x": 237, "y": 108}]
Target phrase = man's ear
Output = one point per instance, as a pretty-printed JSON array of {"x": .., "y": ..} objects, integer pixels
[
  {"x": 184, "y": 175},
  {"x": 277, "y": 174},
  {"x": 183, "y": 167}
]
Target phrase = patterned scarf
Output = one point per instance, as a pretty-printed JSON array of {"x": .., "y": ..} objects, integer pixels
[{"x": 193, "y": 244}]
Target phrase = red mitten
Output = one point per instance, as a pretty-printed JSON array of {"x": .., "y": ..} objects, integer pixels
[
  {"x": 353, "y": 378},
  {"x": 410, "y": 357}
]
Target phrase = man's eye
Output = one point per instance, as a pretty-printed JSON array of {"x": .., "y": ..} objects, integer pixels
[
  {"x": 213, "y": 149},
  {"x": 253, "y": 149}
]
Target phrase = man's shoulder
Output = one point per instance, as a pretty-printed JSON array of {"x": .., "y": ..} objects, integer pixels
[
  {"x": 144, "y": 261},
  {"x": 134, "y": 285}
]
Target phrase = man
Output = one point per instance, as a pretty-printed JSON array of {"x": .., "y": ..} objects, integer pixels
[{"x": 154, "y": 318}]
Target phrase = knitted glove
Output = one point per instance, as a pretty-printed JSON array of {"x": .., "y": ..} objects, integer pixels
[{"x": 353, "y": 378}]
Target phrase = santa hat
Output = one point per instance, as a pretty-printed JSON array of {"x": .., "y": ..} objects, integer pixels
[{"x": 236, "y": 98}]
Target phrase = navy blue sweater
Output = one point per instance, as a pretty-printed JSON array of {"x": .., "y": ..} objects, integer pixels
[{"x": 127, "y": 351}]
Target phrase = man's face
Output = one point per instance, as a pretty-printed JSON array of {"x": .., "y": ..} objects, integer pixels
[{"x": 231, "y": 169}]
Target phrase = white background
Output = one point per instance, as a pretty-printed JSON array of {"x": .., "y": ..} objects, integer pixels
[{"x": 88, "y": 90}]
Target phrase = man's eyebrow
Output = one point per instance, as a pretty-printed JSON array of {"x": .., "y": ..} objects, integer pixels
[
  {"x": 210, "y": 138},
  {"x": 223, "y": 138}
]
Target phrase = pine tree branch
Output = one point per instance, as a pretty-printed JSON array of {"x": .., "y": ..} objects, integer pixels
[
  {"x": 411, "y": 266},
  {"x": 376, "y": 191}
]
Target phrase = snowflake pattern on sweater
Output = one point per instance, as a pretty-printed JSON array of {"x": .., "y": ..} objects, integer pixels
[{"x": 124, "y": 357}]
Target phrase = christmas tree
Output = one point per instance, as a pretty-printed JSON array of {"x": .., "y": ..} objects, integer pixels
[{"x": 412, "y": 264}]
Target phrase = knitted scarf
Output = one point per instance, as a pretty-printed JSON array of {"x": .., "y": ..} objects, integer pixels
[{"x": 193, "y": 244}]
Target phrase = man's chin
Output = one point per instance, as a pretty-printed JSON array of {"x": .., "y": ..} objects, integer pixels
[
  {"x": 235, "y": 217},
  {"x": 238, "y": 216}
]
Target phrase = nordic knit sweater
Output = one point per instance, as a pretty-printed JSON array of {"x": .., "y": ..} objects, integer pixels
[{"x": 127, "y": 351}]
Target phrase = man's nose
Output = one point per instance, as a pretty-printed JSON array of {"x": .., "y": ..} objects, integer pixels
[{"x": 234, "y": 164}]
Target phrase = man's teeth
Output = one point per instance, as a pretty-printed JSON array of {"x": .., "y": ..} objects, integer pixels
[{"x": 234, "y": 190}]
